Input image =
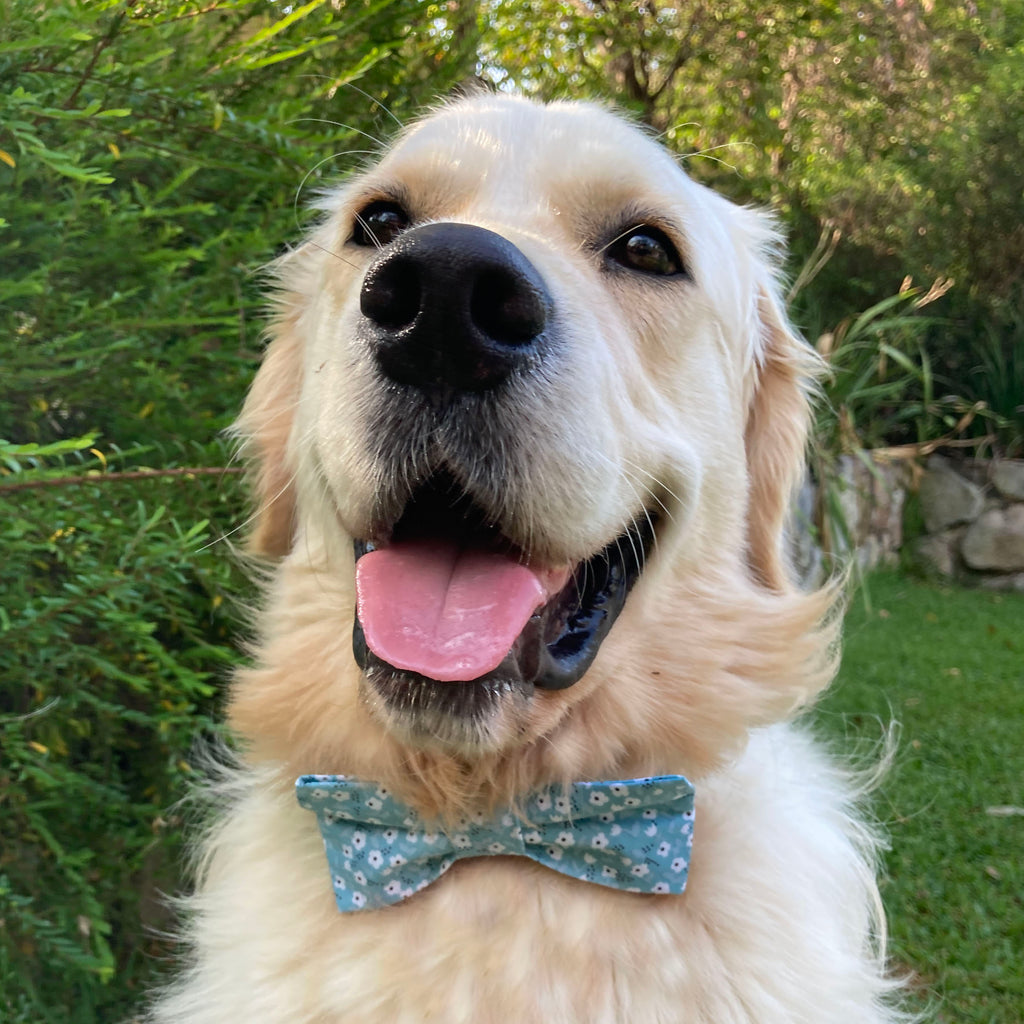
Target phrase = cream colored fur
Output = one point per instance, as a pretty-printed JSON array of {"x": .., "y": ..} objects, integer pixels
[{"x": 690, "y": 391}]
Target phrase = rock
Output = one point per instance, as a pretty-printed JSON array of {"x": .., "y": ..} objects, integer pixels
[
  {"x": 948, "y": 499},
  {"x": 1012, "y": 581},
  {"x": 995, "y": 541},
  {"x": 1008, "y": 478},
  {"x": 885, "y": 508},
  {"x": 937, "y": 552},
  {"x": 804, "y": 551}
]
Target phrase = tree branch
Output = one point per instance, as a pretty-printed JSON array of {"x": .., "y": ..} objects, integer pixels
[{"x": 133, "y": 474}]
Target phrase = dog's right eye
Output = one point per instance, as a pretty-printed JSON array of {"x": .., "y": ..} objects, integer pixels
[{"x": 379, "y": 223}]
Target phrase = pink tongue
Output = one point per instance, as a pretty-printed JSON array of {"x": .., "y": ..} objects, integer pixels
[{"x": 445, "y": 612}]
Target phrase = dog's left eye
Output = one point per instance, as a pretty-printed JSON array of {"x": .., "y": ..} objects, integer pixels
[
  {"x": 379, "y": 223},
  {"x": 647, "y": 249}
]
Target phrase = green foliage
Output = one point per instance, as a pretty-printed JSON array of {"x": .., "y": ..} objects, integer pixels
[
  {"x": 113, "y": 643},
  {"x": 995, "y": 372},
  {"x": 153, "y": 156}
]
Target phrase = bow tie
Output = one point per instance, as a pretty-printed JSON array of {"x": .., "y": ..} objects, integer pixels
[{"x": 633, "y": 835}]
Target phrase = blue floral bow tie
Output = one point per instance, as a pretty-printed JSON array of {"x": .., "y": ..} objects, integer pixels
[{"x": 633, "y": 835}]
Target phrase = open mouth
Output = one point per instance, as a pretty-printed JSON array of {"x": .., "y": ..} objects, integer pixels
[{"x": 449, "y": 598}]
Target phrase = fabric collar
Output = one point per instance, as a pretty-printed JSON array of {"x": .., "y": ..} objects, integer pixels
[{"x": 634, "y": 835}]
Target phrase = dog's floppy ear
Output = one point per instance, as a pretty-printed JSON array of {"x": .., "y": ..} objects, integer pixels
[
  {"x": 263, "y": 428},
  {"x": 776, "y": 435}
]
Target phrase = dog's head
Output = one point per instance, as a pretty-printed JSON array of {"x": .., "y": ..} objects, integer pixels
[{"x": 532, "y": 395}]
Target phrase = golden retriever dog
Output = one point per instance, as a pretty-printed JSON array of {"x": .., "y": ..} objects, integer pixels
[{"x": 524, "y": 442}]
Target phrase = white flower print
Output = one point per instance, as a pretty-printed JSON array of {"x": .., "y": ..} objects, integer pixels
[
  {"x": 632, "y": 801},
  {"x": 341, "y": 795},
  {"x": 616, "y": 829},
  {"x": 373, "y": 803},
  {"x": 360, "y": 877},
  {"x": 651, "y": 830},
  {"x": 375, "y": 858},
  {"x": 554, "y": 852},
  {"x": 390, "y": 835},
  {"x": 393, "y": 888},
  {"x": 619, "y": 789},
  {"x": 598, "y": 798},
  {"x": 566, "y": 839},
  {"x": 589, "y": 858},
  {"x": 600, "y": 841},
  {"x": 663, "y": 850},
  {"x": 688, "y": 815},
  {"x": 606, "y": 817},
  {"x": 346, "y": 850},
  {"x": 639, "y": 870},
  {"x": 532, "y": 837},
  {"x": 661, "y": 887},
  {"x": 544, "y": 802},
  {"x": 411, "y": 837},
  {"x": 319, "y": 794},
  {"x": 650, "y": 813},
  {"x": 358, "y": 840},
  {"x": 430, "y": 838},
  {"x": 383, "y": 792},
  {"x": 396, "y": 860},
  {"x": 358, "y": 899},
  {"x": 461, "y": 841},
  {"x": 607, "y": 872},
  {"x": 507, "y": 821},
  {"x": 679, "y": 864},
  {"x": 339, "y": 882},
  {"x": 495, "y": 848},
  {"x": 562, "y": 804}
]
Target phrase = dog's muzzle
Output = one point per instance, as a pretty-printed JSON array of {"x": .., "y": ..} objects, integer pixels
[
  {"x": 454, "y": 617},
  {"x": 453, "y": 308}
]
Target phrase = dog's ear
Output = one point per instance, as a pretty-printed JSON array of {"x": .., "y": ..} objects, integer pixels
[
  {"x": 776, "y": 436},
  {"x": 264, "y": 428}
]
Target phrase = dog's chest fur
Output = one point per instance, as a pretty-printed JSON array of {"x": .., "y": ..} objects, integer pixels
[{"x": 760, "y": 933}]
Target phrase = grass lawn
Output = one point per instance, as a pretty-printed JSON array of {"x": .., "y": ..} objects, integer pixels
[{"x": 948, "y": 665}]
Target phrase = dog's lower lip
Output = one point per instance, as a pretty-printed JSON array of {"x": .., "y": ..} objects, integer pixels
[{"x": 562, "y": 638}]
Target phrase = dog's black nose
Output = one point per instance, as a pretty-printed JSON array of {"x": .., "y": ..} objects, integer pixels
[{"x": 454, "y": 306}]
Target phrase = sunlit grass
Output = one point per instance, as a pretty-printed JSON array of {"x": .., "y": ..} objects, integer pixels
[{"x": 948, "y": 665}]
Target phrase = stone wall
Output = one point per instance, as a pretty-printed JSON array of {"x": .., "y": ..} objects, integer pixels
[
  {"x": 871, "y": 495},
  {"x": 973, "y": 513}
]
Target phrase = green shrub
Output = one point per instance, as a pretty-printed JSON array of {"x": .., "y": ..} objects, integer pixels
[
  {"x": 114, "y": 628},
  {"x": 153, "y": 156}
]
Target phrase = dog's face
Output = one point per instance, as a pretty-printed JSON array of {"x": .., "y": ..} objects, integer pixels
[{"x": 533, "y": 377}]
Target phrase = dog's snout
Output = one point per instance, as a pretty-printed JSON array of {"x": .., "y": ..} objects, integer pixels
[{"x": 454, "y": 306}]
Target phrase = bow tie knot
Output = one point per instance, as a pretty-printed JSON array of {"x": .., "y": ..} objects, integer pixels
[{"x": 634, "y": 835}]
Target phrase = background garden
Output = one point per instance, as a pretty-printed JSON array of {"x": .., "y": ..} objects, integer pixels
[{"x": 154, "y": 155}]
